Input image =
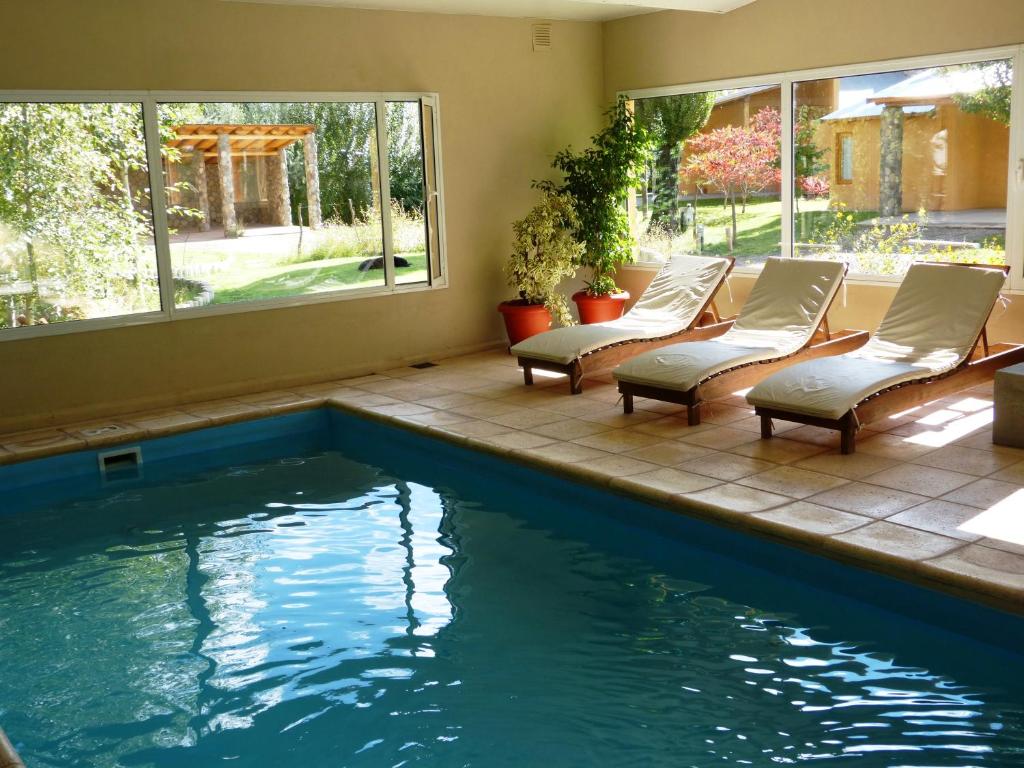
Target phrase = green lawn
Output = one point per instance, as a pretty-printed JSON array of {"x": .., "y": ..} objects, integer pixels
[
  {"x": 244, "y": 283},
  {"x": 759, "y": 227}
]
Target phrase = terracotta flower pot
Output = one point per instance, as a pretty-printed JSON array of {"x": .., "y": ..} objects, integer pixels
[
  {"x": 598, "y": 309},
  {"x": 523, "y": 320}
]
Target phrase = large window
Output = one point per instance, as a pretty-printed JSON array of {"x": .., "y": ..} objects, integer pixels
[
  {"x": 253, "y": 202},
  {"x": 76, "y": 227},
  {"x": 897, "y": 166},
  {"x": 876, "y": 165},
  {"x": 713, "y": 182}
]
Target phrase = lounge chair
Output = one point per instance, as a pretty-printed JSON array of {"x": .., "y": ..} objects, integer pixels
[
  {"x": 677, "y": 301},
  {"x": 925, "y": 348},
  {"x": 778, "y": 325}
]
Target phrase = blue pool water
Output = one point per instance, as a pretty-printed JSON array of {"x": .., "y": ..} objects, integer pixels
[{"x": 318, "y": 591}]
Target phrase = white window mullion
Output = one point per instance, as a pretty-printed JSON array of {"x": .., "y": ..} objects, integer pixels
[
  {"x": 787, "y": 186},
  {"x": 1015, "y": 178},
  {"x": 385, "y": 192},
  {"x": 158, "y": 202}
]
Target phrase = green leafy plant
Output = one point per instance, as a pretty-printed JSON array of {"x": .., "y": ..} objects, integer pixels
[
  {"x": 597, "y": 180},
  {"x": 601, "y": 285},
  {"x": 544, "y": 251}
]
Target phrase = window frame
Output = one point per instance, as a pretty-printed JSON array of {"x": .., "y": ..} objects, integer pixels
[
  {"x": 149, "y": 101},
  {"x": 840, "y": 158},
  {"x": 788, "y": 79}
]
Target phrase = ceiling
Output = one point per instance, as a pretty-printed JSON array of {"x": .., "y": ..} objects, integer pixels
[{"x": 576, "y": 10}]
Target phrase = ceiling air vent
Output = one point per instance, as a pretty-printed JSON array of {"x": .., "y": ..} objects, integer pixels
[{"x": 542, "y": 37}]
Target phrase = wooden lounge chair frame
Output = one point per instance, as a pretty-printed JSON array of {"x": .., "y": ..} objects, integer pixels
[
  {"x": 707, "y": 324},
  {"x": 973, "y": 370},
  {"x": 823, "y": 343}
]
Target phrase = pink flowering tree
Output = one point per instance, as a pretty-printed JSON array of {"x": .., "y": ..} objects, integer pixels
[{"x": 736, "y": 160}]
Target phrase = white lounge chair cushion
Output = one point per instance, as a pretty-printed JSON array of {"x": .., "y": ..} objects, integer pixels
[
  {"x": 671, "y": 303},
  {"x": 785, "y": 307},
  {"x": 930, "y": 328}
]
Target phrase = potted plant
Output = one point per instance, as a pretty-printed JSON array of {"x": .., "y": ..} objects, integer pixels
[
  {"x": 544, "y": 251},
  {"x": 598, "y": 180}
]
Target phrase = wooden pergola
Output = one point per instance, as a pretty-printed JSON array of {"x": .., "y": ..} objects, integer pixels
[{"x": 220, "y": 143}]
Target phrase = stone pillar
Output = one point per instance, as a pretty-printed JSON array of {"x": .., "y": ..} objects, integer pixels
[
  {"x": 227, "y": 186},
  {"x": 202, "y": 189},
  {"x": 890, "y": 176},
  {"x": 278, "y": 192},
  {"x": 312, "y": 179}
]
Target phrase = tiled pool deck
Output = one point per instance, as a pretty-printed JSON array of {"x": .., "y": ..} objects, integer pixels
[{"x": 897, "y": 505}]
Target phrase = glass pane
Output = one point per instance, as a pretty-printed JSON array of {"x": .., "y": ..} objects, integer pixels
[
  {"x": 902, "y": 166},
  {"x": 430, "y": 171},
  {"x": 271, "y": 200},
  {"x": 405, "y": 164},
  {"x": 76, "y": 231},
  {"x": 713, "y": 183}
]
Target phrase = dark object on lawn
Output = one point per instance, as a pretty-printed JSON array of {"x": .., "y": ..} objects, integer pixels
[{"x": 378, "y": 263}]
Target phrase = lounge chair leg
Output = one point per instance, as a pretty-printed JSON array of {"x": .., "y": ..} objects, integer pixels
[
  {"x": 693, "y": 414},
  {"x": 576, "y": 379},
  {"x": 627, "y": 402},
  {"x": 528, "y": 375},
  {"x": 848, "y": 439},
  {"x": 766, "y": 427}
]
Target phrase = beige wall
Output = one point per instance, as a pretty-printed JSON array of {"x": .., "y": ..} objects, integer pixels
[
  {"x": 768, "y": 36},
  {"x": 505, "y": 111}
]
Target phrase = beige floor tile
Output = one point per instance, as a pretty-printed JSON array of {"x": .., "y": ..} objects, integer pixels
[
  {"x": 983, "y": 493},
  {"x": 477, "y": 428},
  {"x": 827, "y": 438},
  {"x": 805, "y": 517},
  {"x": 670, "y": 453},
  {"x": 483, "y": 409},
  {"x": 415, "y": 392},
  {"x": 793, "y": 482},
  {"x": 853, "y": 466},
  {"x": 617, "y": 440},
  {"x": 280, "y": 400},
  {"x": 925, "y": 481},
  {"x": 569, "y": 429},
  {"x": 571, "y": 407},
  {"x": 898, "y": 540},
  {"x": 450, "y": 400},
  {"x": 359, "y": 398},
  {"x": 399, "y": 409},
  {"x": 616, "y": 465},
  {"x": 779, "y": 450},
  {"x": 868, "y": 500},
  {"x": 938, "y": 516},
  {"x": 226, "y": 411},
  {"x": 671, "y": 427},
  {"x": 1011, "y": 474},
  {"x": 518, "y": 440},
  {"x": 403, "y": 372},
  {"x": 1005, "y": 546},
  {"x": 726, "y": 466},
  {"x": 718, "y": 438},
  {"x": 100, "y": 433},
  {"x": 664, "y": 482},
  {"x": 753, "y": 424},
  {"x": 568, "y": 453},
  {"x": 969, "y": 460},
  {"x": 717, "y": 412},
  {"x": 892, "y": 447},
  {"x": 166, "y": 422},
  {"x": 524, "y": 418},
  {"x": 437, "y": 418},
  {"x": 359, "y": 381},
  {"x": 41, "y": 442},
  {"x": 985, "y": 564},
  {"x": 614, "y": 417},
  {"x": 737, "y": 498}
]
